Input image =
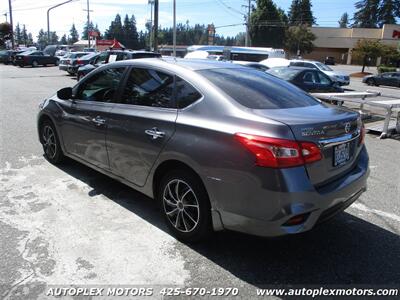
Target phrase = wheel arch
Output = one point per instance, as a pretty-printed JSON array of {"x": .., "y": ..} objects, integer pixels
[{"x": 174, "y": 164}]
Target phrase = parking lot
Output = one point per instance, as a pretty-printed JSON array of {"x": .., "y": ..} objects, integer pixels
[{"x": 70, "y": 224}]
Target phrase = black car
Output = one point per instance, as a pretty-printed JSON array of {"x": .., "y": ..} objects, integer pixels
[
  {"x": 35, "y": 58},
  {"x": 330, "y": 60},
  {"x": 74, "y": 65},
  {"x": 389, "y": 78},
  {"x": 309, "y": 80},
  {"x": 5, "y": 57},
  {"x": 112, "y": 56}
]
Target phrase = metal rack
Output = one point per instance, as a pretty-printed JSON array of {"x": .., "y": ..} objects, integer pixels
[{"x": 389, "y": 103}]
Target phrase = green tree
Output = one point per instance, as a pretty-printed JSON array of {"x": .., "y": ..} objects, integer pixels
[
  {"x": 367, "y": 14},
  {"x": 267, "y": 25},
  {"x": 73, "y": 35},
  {"x": 368, "y": 49},
  {"x": 344, "y": 20},
  {"x": 130, "y": 34},
  {"x": 240, "y": 39},
  {"x": 42, "y": 39},
  {"x": 300, "y": 13},
  {"x": 5, "y": 33},
  {"x": 64, "y": 40},
  {"x": 87, "y": 28},
  {"x": 17, "y": 35},
  {"x": 299, "y": 39},
  {"x": 115, "y": 30},
  {"x": 387, "y": 12},
  {"x": 53, "y": 38},
  {"x": 30, "y": 39},
  {"x": 24, "y": 35}
]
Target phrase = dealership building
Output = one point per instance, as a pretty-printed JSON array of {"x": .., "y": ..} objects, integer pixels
[{"x": 339, "y": 42}]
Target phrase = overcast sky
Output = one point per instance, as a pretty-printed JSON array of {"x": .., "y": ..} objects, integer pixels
[{"x": 220, "y": 12}]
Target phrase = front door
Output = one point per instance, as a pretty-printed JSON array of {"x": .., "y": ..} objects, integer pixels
[
  {"x": 85, "y": 124},
  {"x": 141, "y": 124}
]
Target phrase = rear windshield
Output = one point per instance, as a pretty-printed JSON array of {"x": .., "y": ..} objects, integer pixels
[
  {"x": 258, "y": 90},
  {"x": 284, "y": 73}
]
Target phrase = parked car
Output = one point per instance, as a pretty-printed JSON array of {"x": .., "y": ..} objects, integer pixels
[
  {"x": 309, "y": 80},
  {"x": 5, "y": 57},
  {"x": 389, "y": 78},
  {"x": 88, "y": 58},
  {"x": 341, "y": 78},
  {"x": 112, "y": 56},
  {"x": 219, "y": 145},
  {"x": 251, "y": 64},
  {"x": 68, "y": 60},
  {"x": 14, "y": 54},
  {"x": 35, "y": 58},
  {"x": 330, "y": 60}
]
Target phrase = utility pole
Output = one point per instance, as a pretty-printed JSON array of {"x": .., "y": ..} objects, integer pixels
[
  {"x": 174, "y": 32},
  {"x": 11, "y": 23},
  {"x": 155, "y": 25},
  {"x": 88, "y": 22},
  {"x": 247, "y": 37},
  {"x": 151, "y": 2}
]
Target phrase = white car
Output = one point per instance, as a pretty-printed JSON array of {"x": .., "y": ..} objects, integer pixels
[{"x": 339, "y": 77}]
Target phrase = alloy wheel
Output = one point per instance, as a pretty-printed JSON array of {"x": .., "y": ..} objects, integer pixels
[
  {"x": 49, "y": 142},
  {"x": 181, "y": 205}
]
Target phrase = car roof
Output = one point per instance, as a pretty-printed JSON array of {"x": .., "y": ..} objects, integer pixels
[
  {"x": 304, "y": 60},
  {"x": 191, "y": 64}
]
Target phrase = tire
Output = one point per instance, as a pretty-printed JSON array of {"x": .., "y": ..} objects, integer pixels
[
  {"x": 185, "y": 206},
  {"x": 57, "y": 62},
  {"x": 370, "y": 81},
  {"x": 51, "y": 143},
  {"x": 35, "y": 64},
  {"x": 21, "y": 65}
]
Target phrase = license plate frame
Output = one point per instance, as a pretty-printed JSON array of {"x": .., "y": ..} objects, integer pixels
[{"x": 341, "y": 154}]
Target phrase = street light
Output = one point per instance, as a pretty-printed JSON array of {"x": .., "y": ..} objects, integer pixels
[{"x": 48, "y": 17}]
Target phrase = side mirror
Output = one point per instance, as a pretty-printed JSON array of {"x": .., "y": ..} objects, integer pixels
[{"x": 65, "y": 93}]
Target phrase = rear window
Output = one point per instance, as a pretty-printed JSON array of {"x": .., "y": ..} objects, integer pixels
[
  {"x": 257, "y": 90},
  {"x": 284, "y": 73}
]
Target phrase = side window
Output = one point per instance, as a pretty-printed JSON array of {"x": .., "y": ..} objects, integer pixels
[
  {"x": 101, "y": 59},
  {"x": 148, "y": 87},
  {"x": 185, "y": 93},
  {"x": 297, "y": 64},
  {"x": 102, "y": 86},
  {"x": 309, "y": 77},
  {"x": 308, "y": 65},
  {"x": 323, "y": 79}
]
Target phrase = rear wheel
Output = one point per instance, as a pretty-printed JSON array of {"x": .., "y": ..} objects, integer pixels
[
  {"x": 50, "y": 142},
  {"x": 185, "y": 206},
  {"x": 35, "y": 64},
  {"x": 57, "y": 62},
  {"x": 371, "y": 81}
]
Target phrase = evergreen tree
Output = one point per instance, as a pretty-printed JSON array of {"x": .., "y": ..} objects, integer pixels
[
  {"x": 115, "y": 30},
  {"x": 53, "y": 38},
  {"x": 87, "y": 28},
  {"x": 267, "y": 26},
  {"x": 299, "y": 39},
  {"x": 73, "y": 35},
  {"x": 367, "y": 14},
  {"x": 18, "y": 35},
  {"x": 344, "y": 20},
  {"x": 24, "y": 35},
  {"x": 30, "y": 39},
  {"x": 130, "y": 34},
  {"x": 63, "y": 40},
  {"x": 300, "y": 13},
  {"x": 387, "y": 12},
  {"x": 42, "y": 39}
]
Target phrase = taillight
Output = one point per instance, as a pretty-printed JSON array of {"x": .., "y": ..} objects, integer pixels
[
  {"x": 279, "y": 153},
  {"x": 79, "y": 62}
]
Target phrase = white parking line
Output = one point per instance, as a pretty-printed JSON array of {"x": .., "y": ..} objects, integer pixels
[{"x": 384, "y": 214}]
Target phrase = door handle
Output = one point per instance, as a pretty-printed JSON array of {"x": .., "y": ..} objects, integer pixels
[
  {"x": 98, "y": 121},
  {"x": 154, "y": 133}
]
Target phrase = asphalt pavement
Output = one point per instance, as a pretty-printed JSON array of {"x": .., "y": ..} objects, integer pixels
[{"x": 71, "y": 225}]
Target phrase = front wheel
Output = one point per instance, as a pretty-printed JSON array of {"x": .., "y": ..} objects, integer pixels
[
  {"x": 185, "y": 206},
  {"x": 51, "y": 144},
  {"x": 35, "y": 64}
]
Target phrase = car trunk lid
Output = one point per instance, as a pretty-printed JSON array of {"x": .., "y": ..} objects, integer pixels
[{"x": 335, "y": 130}]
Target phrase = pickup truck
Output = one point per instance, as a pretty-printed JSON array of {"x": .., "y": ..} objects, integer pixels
[{"x": 35, "y": 58}]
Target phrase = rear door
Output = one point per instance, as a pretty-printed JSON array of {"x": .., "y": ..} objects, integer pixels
[
  {"x": 85, "y": 123},
  {"x": 141, "y": 124}
]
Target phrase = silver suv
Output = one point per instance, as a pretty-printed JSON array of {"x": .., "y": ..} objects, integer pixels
[
  {"x": 339, "y": 77},
  {"x": 218, "y": 145}
]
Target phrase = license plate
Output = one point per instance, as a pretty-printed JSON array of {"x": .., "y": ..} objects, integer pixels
[{"x": 341, "y": 154}]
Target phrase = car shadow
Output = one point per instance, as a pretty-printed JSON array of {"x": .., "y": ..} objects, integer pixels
[{"x": 345, "y": 250}]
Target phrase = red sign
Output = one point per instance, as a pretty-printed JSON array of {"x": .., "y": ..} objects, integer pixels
[
  {"x": 93, "y": 33},
  {"x": 396, "y": 34},
  {"x": 104, "y": 42}
]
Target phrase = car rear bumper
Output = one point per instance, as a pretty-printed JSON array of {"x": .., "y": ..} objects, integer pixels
[{"x": 269, "y": 214}]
